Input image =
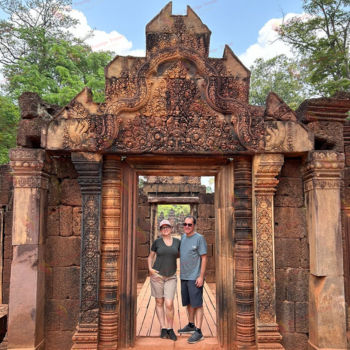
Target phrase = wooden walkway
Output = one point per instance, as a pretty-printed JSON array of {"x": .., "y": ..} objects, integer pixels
[{"x": 147, "y": 322}]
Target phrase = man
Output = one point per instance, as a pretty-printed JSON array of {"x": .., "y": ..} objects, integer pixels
[{"x": 193, "y": 262}]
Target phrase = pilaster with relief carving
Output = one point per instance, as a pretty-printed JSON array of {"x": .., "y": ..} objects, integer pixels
[
  {"x": 26, "y": 310},
  {"x": 265, "y": 168},
  {"x": 89, "y": 168}
]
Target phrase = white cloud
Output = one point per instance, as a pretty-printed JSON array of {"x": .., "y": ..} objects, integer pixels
[
  {"x": 268, "y": 46},
  {"x": 103, "y": 41}
]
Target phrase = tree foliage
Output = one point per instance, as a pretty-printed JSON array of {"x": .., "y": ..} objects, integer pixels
[
  {"x": 179, "y": 208},
  {"x": 40, "y": 55},
  {"x": 281, "y": 75},
  {"x": 320, "y": 38},
  {"x": 9, "y": 117}
]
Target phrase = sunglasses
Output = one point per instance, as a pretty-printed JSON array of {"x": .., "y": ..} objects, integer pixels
[
  {"x": 165, "y": 227},
  {"x": 189, "y": 225}
]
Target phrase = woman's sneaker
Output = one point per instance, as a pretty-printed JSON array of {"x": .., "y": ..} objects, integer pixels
[
  {"x": 164, "y": 333},
  {"x": 187, "y": 329},
  {"x": 195, "y": 338},
  {"x": 172, "y": 335}
]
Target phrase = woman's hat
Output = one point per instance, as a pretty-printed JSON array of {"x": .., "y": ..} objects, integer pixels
[{"x": 165, "y": 222}]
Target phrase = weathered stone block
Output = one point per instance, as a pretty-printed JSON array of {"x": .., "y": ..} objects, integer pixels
[
  {"x": 142, "y": 197},
  {"x": 211, "y": 263},
  {"x": 205, "y": 224},
  {"x": 327, "y": 312},
  {"x": 206, "y": 198},
  {"x": 77, "y": 221},
  {"x": 144, "y": 212},
  {"x": 48, "y": 282},
  {"x": 141, "y": 276},
  {"x": 54, "y": 195},
  {"x": 70, "y": 192},
  {"x": 289, "y": 193},
  {"x": 328, "y": 135},
  {"x": 206, "y": 211},
  {"x": 287, "y": 252},
  {"x": 63, "y": 251},
  {"x": 29, "y": 132},
  {"x": 53, "y": 221},
  {"x": 210, "y": 276},
  {"x": 6, "y": 273},
  {"x": 305, "y": 254},
  {"x": 69, "y": 314},
  {"x": 143, "y": 250},
  {"x": 347, "y": 155},
  {"x": 66, "y": 221},
  {"x": 5, "y": 197},
  {"x": 298, "y": 285},
  {"x": 65, "y": 168},
  {"x": 209, "y": 236},
  {"x": 52, "y": 315},
  {"x": 58, "y": 340},
  {"x": 302, "y": 317},
  {"x": 66, "y": 282},
  {"x": 8, "y": 217},
  {"x": 26, "y": 309},
  {"x": 291, "y": 168},
  {"x": 142, "y": 264},
  {"x": 8, "y": 247},
  {"x": 290, "y": 222},
  {"x": 285, "y": 316},
  {"x": 210, "y": 250},
  {"x": 281, "y": 276},
  {"x": 294, "y": 341},
  {"x": 5, "y": 292}
]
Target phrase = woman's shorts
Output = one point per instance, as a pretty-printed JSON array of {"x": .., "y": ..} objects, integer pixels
[{"x": 163, "y": 287}]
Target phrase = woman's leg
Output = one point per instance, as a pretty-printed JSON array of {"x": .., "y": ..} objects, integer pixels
[
  {"x": 160, "y": 311},
  {"x": 169, "y": 307}
]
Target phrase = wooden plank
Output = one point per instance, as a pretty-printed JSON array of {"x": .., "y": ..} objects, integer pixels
[
  {"x": 142, "y": 293},
  {"x": 148, "y": 319},
  {"x": 211, "y": 312},
  {"x": 182, "y": 310},
  {"x": 143, "y": 305}
]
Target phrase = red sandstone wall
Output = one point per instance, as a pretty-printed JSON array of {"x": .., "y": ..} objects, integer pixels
[
  {"x": 62, "y": 261},
  {"x": 292, "y": 257}
]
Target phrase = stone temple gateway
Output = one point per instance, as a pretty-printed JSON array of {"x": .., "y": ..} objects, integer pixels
[{"x": 281, "y": 201}]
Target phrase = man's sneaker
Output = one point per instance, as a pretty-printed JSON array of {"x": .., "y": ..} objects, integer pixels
[
  {"x": 195, "y": 338},
  {"x": 187, "y": 329},
  {"x": 164, "y": 333},
  {"x": 172, "y": 335}
]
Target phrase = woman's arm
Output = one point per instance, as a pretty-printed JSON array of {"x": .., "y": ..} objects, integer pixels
[{"x": 149, "y": 262}]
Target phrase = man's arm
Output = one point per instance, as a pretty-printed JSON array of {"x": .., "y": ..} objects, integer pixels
[{"x": 200, "y": 280}]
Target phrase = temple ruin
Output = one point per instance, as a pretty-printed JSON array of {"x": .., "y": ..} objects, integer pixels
[{"x": 76, "y": 228}]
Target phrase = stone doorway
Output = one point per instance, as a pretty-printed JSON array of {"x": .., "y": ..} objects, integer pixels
[{"x": 234, "y": 313}]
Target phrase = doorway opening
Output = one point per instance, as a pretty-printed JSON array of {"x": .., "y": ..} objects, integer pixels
[{"x": 173, "y": 198}]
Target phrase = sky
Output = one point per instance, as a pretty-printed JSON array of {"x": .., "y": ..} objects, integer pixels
[{"x": 248, "y": 27}]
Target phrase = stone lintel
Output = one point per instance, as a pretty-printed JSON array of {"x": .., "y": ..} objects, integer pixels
[
  {"x": 324, "y": 109},
  {"x": 174, "y": 200},
  {"x": 327, "y": 318},
  {"x": 288, "y": 137}
]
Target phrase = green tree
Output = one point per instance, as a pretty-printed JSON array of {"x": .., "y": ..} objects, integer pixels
[
  {"x": 320, "y": 38},
  {"x": 40, "y": 55},
  {"x": 9, "y": 117},
  {"x": 165, "y": 208},
  {"x": 281, "y": 75}
]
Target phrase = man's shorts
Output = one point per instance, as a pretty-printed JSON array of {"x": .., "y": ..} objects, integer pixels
[
  {"x": 163, "y": 287},
  {"x": 191, "y": 294}
]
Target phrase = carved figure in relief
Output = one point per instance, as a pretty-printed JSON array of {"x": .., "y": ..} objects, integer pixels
[
  {"x": 193, "y": 263},
  {"x": 163, "y": 277},
  {"x": 275, "y": 137}
]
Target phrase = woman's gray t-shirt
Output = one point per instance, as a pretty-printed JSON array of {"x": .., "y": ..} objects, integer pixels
[
  {"x": 190, "y": 256},
  {"x": 166, "y": 256}
]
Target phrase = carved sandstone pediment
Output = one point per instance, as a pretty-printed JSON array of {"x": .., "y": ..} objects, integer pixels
[{"x": 175, "y": 100}]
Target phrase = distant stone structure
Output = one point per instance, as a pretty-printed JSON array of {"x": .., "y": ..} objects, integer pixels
[{"x": 75, "y": 225}]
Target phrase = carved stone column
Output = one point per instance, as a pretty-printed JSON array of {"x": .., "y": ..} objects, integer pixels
[
  {"x": 110, "y": 251},
  {"x": 27, "y": 285},
  {"x": 265, "y": 168},
  {"x": 89, "y": 168},
  {"x": 244, "y": 254},
  {"x": 327, "y": 320}
]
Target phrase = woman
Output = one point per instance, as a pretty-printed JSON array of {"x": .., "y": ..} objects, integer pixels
[{"x": 163, "y": 277}]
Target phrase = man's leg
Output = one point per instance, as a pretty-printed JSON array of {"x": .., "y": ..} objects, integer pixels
[
  {"x": 190, "y": 313},
  {"x": 199, "y": 311}
]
